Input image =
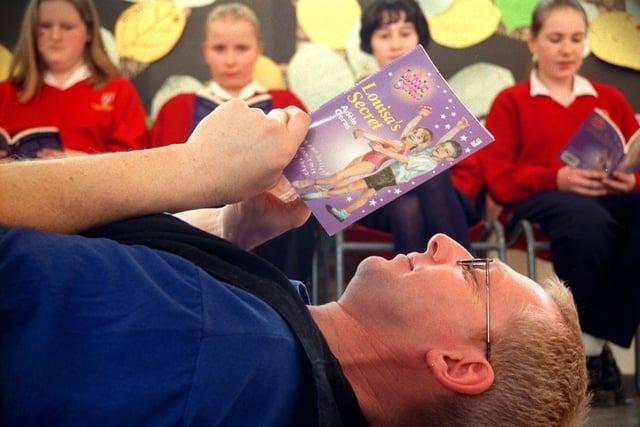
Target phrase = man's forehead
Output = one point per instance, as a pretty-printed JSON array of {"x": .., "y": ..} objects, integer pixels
[{"x": 517, "y": 288}]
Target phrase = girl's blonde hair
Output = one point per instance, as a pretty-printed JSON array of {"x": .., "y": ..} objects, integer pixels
[
  {"x": 427, "y": 138},
  {"x": 27, "y": 68},
  {"x": 235, "y": 11}
]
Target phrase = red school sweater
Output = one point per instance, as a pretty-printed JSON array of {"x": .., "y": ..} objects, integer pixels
[
  {"x": 178, "y": 116},
  {"x": 93, "y": 120},
  {"x": 531, "y": 131}
]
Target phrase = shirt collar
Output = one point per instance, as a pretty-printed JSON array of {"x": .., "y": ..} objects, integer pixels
[
  {"x": 246, "y": 92},
  {"x": 581, "y": 87},
  {"x": 81, "y": 73}
]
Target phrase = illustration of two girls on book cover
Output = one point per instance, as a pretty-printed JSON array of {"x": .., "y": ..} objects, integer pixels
[{"x": 389, "y": 162}]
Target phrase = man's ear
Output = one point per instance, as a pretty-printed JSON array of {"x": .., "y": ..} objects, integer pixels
[{"x": 466, "y": 371}]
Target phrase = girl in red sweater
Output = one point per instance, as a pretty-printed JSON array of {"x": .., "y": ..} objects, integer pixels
[
  {"x": 593, "y": 221},
  {"x": 61, "y": 76},
  {"x": 231, "y": 48}
]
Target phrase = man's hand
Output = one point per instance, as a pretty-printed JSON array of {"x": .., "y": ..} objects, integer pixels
[
  {"x": 254, "y": 221},
  {"x": 581, "y": 181},
  {"x": 263, "y": 217},
  {"x": 234, "y": 154},
  {"x": 241, "y": 152},
  {"x": 620, "y": 182}
]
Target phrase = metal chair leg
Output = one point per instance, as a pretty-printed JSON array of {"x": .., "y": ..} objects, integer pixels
[
  {"x": 314, "y": 277},
  {"x": 527, "y": 228},
  {"x": 339, "y": 264},
  {"x": 637, "y": 366}
]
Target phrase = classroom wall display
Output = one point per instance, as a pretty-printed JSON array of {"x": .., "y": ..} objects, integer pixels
[
  {"x": 615, "y": 38},
  {"x": 5, "y": 60},
  {"x": 465, "y": 23},
  {"x": 312, "y": 46}
]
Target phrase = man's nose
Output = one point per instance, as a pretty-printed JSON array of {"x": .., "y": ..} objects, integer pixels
[{"x": 444, "y": 250}]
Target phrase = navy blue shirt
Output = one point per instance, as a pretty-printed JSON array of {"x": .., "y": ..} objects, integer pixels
[{"x": 155, "y": 341}]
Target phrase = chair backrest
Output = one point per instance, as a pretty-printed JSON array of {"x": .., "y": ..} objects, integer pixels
[{"x": 527, "y": 236}]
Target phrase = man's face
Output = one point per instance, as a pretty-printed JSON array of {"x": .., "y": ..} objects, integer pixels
[{"x": 434, "y": 302}]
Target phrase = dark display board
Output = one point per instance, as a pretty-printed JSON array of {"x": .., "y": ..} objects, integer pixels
[{"x": 279, "y": 29}]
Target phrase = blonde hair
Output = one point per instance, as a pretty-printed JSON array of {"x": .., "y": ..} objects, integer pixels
[
  {"x": 540, "y": 375},
  {"x": 234, "y": 11},
  {"x": 27, "y": 68}
]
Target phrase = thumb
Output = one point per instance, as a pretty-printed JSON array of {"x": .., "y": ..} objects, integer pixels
[
  {"x": 297, "y": 125},
  {"x": 300, "y": 212}
]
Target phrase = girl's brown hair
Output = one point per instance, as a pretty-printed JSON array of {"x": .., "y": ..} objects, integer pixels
[{"x": 546, "y": 6}]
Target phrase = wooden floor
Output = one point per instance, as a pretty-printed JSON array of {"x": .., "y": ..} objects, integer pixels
[{"x": 619, "y": 416}]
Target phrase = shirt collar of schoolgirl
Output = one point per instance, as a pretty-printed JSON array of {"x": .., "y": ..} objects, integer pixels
[
  {"x": 246, "y": 92},
  {"x": 581, "y": 87},
  {"x": 81, "y": 73}
]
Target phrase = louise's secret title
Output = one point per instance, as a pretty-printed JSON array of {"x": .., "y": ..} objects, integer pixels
[{"x": 367, "y": 102}]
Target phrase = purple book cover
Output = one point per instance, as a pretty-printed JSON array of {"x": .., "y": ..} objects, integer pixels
[
  {"x": 597, "y": 144},
  {"x": 388, "y": 134}
]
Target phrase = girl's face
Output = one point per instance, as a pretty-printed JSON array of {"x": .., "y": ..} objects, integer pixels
[
  {"x": 231, "y": 50},
  {"x": 560, "y": 44},
  {"x": 416, "y": 137},
  {"x": 61, "y": 35},
  {"x": 391, "y": 41}
]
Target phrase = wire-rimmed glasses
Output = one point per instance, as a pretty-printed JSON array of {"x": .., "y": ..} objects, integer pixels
[{"x": 481, "y": 264}]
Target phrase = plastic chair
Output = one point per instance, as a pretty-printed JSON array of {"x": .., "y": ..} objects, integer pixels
[{"x": 527, "y": 236}]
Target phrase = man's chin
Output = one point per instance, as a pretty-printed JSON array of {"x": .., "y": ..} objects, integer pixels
[{"x": 373, "y": 268}]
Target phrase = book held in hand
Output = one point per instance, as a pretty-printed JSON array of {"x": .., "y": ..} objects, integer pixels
[
  {"x": 380, "y": 139},
  {"x": 599, "y": 144},
  {"x": 28, "y": 142},
  {"x": 205, "y": 102}
]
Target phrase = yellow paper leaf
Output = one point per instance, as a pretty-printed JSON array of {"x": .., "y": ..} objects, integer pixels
[
  {"x": 328, "y": 21},
  {"x": 268, "y": 74},
  {"x": 615, "y": 38},
  {"x": 465, "y": 23},
  {"x": 5, "y": 61},
  {"x": 147, "y": 31}
]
